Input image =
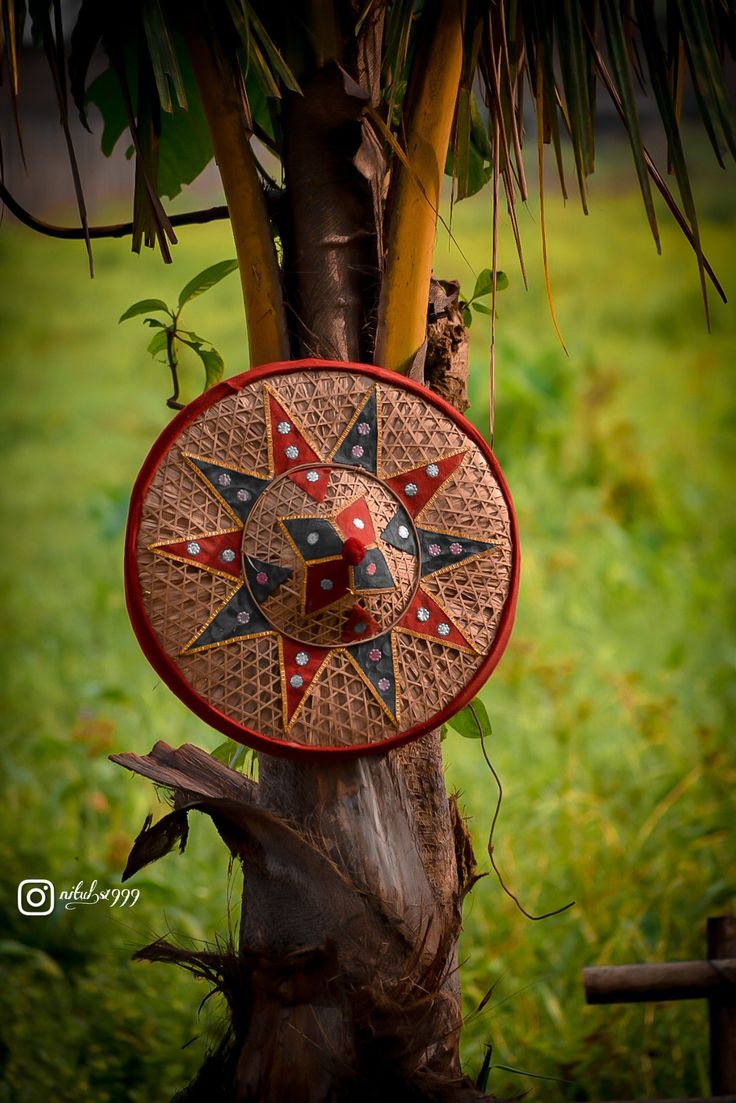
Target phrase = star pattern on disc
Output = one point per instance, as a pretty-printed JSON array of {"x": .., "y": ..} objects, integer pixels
[
  {"x": 325, "y": 546},
  {"x": 340, "y": 555}
]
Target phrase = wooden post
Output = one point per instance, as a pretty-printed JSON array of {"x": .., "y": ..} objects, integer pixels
[
  {"x": 714, "y": 979},
  {"x": 721, "y": 940},
  {"x": 676, "y": 980}
]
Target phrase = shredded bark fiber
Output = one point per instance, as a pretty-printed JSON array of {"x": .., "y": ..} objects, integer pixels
[{"x": 360, "y": 1011}]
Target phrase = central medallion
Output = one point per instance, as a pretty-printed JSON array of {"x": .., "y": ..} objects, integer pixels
[{"x": 348, "y": 564}]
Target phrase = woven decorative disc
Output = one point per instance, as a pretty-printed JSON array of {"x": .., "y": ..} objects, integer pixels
[{"x": 321, "y": 559}]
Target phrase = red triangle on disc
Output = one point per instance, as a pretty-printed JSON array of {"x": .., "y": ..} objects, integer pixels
[
  {"x": 313, "y": 480},
  {"x": 426, "y": 618},
  {"x": 326, "y": 583},
  {"x": 416, "y": 487},
  {"x": 360, "y": 625},
  {"x": 219, "y": 552},
  {"x": 289, "y": 446},
  {"x": 300, "y": 664},
  {"x": 355, "y": 520}
]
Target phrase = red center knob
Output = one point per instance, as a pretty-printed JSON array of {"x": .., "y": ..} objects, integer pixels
[{"x": 353, "y": 552}]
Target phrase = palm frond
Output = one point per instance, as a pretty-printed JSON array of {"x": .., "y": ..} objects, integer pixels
[
  {"x": 566, "y": 54},
  {"x": 626, "y": 49},
  {"x": 12, "y": 20},
  {"x": 47, "y": 26},
  {"x": 260, "y": 50}
]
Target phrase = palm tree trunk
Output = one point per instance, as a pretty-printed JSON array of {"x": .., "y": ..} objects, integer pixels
[
  {"x": 382, "y": 1002},
  {"x": 354, "y": 874}
]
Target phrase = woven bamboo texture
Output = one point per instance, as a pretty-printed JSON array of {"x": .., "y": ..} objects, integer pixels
[{"x": 242, "y": 679}]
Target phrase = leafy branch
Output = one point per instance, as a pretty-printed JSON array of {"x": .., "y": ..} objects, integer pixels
[
  {"x": 483, "y": 288},
  {"x": 170, "y": 336}
]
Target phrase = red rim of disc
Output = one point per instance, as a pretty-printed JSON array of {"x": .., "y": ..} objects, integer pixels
[{"x": 171, "y": 675}]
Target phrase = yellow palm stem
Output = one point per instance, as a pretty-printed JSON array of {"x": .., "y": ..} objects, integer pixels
[
  {"x": 259, "y": 270},
  {"x": 415, "y": 191}
]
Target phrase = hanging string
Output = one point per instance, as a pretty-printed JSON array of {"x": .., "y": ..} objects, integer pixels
[{"x": 496, "y": 870}]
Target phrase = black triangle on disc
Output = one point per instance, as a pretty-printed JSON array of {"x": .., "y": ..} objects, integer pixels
[
  {"x": 264, "y": 578},
  {"x": 314, "y": 537},
  {"x": 373, "y": 572},
  {"x": 359, "y": 446},
  {"x": 238, "y": 618},
  {"x": 399, "y": 532},
  {"x": 445, "y": 549},
  {"x": 239, "y": 490},
  {"x": 375, "y": 660}
]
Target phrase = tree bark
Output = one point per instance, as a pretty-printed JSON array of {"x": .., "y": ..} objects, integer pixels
[
  {"x": 344, "y": 983},
  {"x": 332, "y": 169},
  {"x": 385, "y": 822}
]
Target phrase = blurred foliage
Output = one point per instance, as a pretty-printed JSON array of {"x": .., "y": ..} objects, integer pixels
[{"x": 609, "y": 710}]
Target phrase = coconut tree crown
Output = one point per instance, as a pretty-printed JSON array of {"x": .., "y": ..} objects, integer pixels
[{"x": 423, "y": 88}]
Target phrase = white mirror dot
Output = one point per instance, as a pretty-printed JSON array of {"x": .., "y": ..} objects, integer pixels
[
  {"x": 193, "y": 548},
  {"x": 284, "y": 427}
]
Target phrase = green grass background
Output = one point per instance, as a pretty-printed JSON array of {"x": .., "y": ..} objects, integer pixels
[{"x": 611, "y": 709}]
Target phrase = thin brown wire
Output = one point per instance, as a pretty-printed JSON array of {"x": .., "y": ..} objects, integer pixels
[{"x": 496, "y": 870}]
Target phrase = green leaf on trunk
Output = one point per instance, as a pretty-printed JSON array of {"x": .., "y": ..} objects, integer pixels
[
  {"x": 468, "y": 161},
  {"x": 481, "y": 309},
  {"x": 206, "y": 279},
  {"x": 144, "y": 306},
  {"x": 158, "y": 344},
  {"x": 228, "y": 752},
  {"x": 484, "y": 283},
  {"x": 185, "y": 147},
  {"x": 473, "y": 721},
  {"x": 104, "y": 93},
  {"x": 214, "y": 365}
]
